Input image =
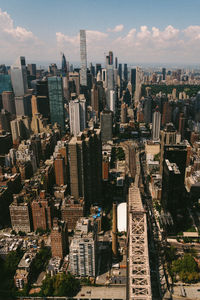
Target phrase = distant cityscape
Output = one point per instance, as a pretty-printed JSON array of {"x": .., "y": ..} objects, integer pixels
[{"x": 99, "y": 180}]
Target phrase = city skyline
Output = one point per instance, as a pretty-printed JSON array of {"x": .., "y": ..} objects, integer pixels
[{"x": 137, "y": 33}]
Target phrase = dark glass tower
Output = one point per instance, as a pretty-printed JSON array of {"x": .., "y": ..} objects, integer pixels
[
  {"x": 56, "y": 101},
  {"x": 64, "y": 65}
]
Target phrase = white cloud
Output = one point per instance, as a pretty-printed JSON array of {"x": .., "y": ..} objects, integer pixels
[
  {"x": 117, "y": 28},
  {"x": 7, "y": 27},
  {"x": 131, "y": 45}
]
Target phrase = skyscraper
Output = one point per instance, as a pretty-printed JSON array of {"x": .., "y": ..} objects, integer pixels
[
  {"x": 19, "y": 77},
  {"x": 106, "y": 119},
  {"x": 32, "y": 69},
  {"x": 156, "y": 126},
  {"x": 125, "y": 73},
  {"x": 56, "y": 101},
  {"x": 110, "y": 58},
  {"x": 8, "y": 102},
  {"x": 83, "y": 53},
  {"x": 133, "y": 78},
  {"x": 77, "y": 115},
  {"x": 85, "y": 166},
  {"x": 64, "y": 65}
]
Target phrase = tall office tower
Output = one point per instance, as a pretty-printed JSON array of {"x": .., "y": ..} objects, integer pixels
[
  {"x": 125, "y": 72},
  {"x": 197, "y": 107},
  {"x": 92, "y": 70},
  {"x": 83, "y": 250},
  {"x": 107, "y": 60},
  {"x": 168, "y": 137},
  {"x": 138, "y": 86},
  {"x": 156, "y": 126},
  {"x": 60, "y": 170},
  {"x": 166, "y": 114},
  {"x": 83, "y": 71},
  {"x": 20, "y": 214},
  {"x": 104, "y": 78},
  {"x": 74, "y": 77},
  {"x": 32, "y": 69},
  {"x": 77, "y": 115},
  {"x": 177, "y": 154},
  {"x": 42, "y": 212},
  {"x": 19, "y": 77},
  {"x": 59, "y": 238},
  {"x": 112, "y": 101},
  {"x": 171, "y": 187},
  {"x": 124, "y": 113},
  {"x": 181, "y": 127},
  {"x": 120, "y": 71},
  {"x": 23, "y": 105},
  {"x": 147, "y": 110},
  {"x": 42, "y": 88},
  {"x": 64, "y": 65},
  {"x": 116, "y": 63},
  {"x": 66, "y": 91},
  {"x": 85, "y": 166},
  {"x": 110, "y": 77},
  {"x": 164, "y": 73},
  {"x": 8, "y": 102},
  {"x": 106, "y": 120},
  {"x": 98, "y": 68},
  {"x": 133, "y": 79},
  {"x": 110, "y": 57},
  {"x": 56, "y": 101},
  {"x": 95, "y": 99}
]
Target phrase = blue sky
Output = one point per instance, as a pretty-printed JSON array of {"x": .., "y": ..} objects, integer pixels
[{"x": 136, "y": 31}]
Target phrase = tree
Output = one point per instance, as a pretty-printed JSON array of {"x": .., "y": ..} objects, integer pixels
[{"x": 60, "y": 285}]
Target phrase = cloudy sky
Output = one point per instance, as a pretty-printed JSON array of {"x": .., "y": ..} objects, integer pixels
[{"x": 142, "y": 31}]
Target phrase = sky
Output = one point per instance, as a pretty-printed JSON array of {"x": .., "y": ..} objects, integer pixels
[{"x": 142, "y": 31}]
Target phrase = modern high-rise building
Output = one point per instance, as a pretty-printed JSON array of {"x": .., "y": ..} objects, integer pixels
[
  {"x": 19, "y": 77},
  {"x": 133, "y": 78},
  {"x": 156, "y": 126},
  {"x": 164, "y": 73},
  {"x": 64, "y": 65},
  {"x": 83, "y": 53},
  {"x": 23, "y": 105},
  {"x": 171, "y": 187},
  {"x": 32, "y": 69},
  {"x": 95, "y": 99},
  {"x": 77, "y": 115},
  {"x": 106, "y": 120},
  {"x": 113, "y": 101},
  {"x": 148, "y": 110},
  {"x": 85, "y": 161},
  {"x": 125, "y": 73},
  {"x": 83, "y": 250},
  {"x": 120, "y": 71},
  {"x": 56, "y": 101},
  {"x": 110, "y": 57},
  {"x": 98, "y": 68},
  {"x": 116, "y": 63},
  {"x": 8, "y": 101}
]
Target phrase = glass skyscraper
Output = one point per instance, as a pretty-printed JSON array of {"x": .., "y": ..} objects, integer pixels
[
  {"x": 56, "y": 101},
  {"x": 5, "y": 83},
  {"x": 83, "y": 53}
]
